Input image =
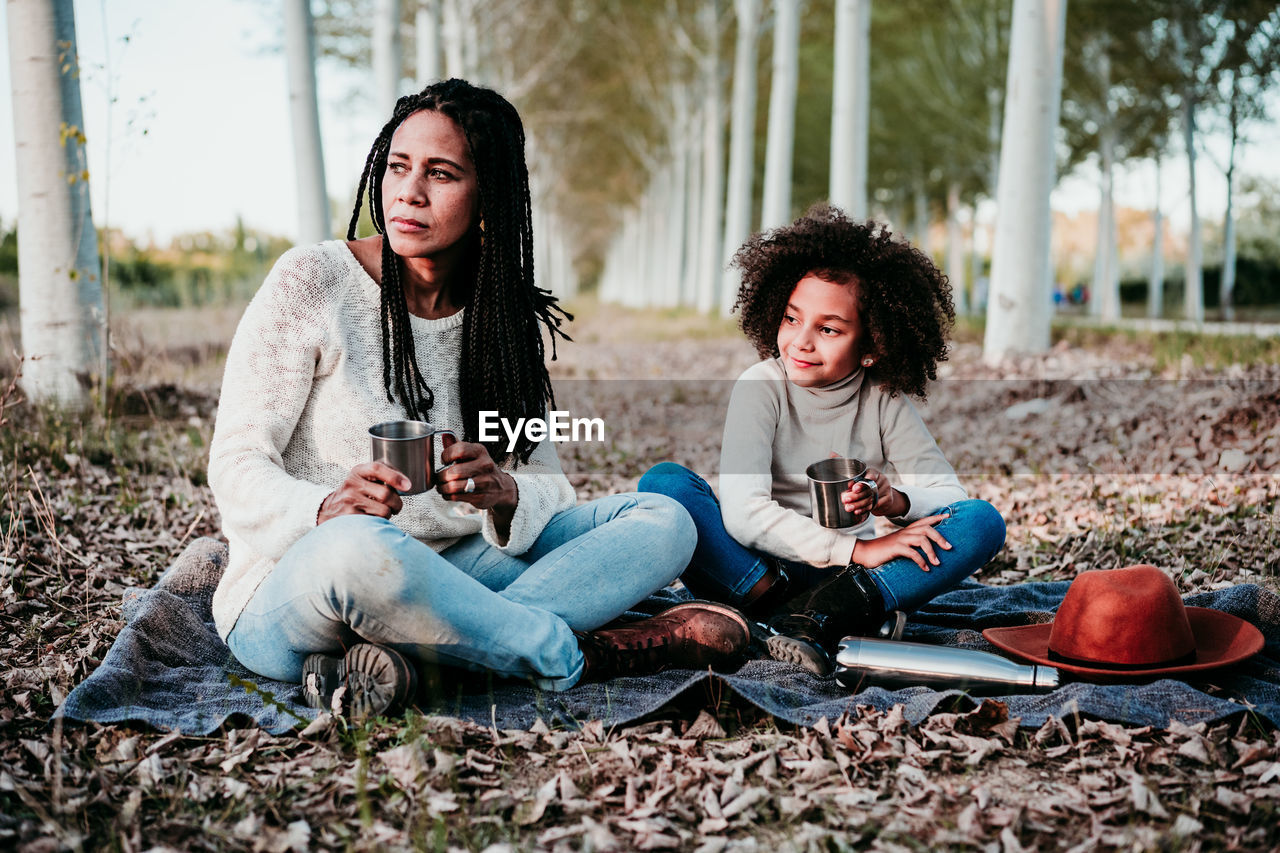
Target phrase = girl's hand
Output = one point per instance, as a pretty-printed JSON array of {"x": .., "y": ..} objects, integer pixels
[
  {"x": 370, "y": 489},
  {"x": 493, "y": 488},
  {"x": 916, "y": 542},
  {"x": 857, "y": 498}
]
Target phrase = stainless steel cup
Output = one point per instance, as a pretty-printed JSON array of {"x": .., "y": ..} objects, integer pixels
[
  {"x": 828, "y": 480},
  {"x": 408, "y": 446}
]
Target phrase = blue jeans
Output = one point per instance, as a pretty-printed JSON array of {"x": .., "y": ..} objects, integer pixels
[
  {"x": 358, "y": 578},
  {"x": 725, "y": 570}
]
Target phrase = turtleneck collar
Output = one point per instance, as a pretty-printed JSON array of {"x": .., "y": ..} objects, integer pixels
[{"x": 832, "y": 396}]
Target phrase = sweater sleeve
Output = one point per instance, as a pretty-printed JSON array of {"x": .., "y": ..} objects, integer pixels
[
  {"x": 751, "y": 515},
  {"x": 920, "y": 471},
  {"x": 270, "y": 368},
  {"x": 542, "y": 491}
]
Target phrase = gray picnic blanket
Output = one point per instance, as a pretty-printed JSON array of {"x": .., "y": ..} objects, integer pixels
[{"x": 168, "y": 668}]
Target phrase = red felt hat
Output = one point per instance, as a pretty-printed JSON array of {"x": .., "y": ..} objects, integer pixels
[{"x": 1130, "y": 625}]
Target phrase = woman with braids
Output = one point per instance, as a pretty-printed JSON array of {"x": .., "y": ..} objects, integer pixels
[
  {"x": 849, "y": 321},
  {"x": 337, "y": 581}
]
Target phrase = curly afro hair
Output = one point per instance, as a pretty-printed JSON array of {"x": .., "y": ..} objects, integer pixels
[{"x": 905, "y": 302}]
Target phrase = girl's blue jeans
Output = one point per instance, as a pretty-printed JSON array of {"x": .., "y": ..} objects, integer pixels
[
  {"x": 725, "y": 570},
  {"x": 358, "y": 578}
]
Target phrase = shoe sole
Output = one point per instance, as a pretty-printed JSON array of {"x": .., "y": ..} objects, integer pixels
[
  {"x": 370, "y": 680},
  {"x": 801, "y": 653}
]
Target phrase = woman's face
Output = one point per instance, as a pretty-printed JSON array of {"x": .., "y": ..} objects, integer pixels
[
  {"x": 430, "y": 195},
  {"x": 820, "y": 337}
]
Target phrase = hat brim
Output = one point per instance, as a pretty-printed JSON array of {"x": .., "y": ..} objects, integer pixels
[{"x": 1221, "y": 640}]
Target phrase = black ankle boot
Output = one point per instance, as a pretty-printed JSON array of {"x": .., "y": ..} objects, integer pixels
[
  {"x": 851, "y": 601},
  {"x": 799, "y": 638}
]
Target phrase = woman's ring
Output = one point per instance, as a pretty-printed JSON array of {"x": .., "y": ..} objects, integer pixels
[{"x": 470, "y": 486}]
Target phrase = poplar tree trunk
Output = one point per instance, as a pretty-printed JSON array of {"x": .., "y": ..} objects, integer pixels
[
  {"x": 955, "y": 250},
  {"x": 387, "y": 56},
  {"x": 1227, "y": 284},
  {"x": 427, "y": 38},
  {"x": 850, "y": 107},
  {"x": 920, "y": 212},
  {"x": 308, "y": 153},
  {"x": 1155, "y": 278},
  {"x": 780, "y": 143},
  {"x": 708, "y": 272},
  {"x": 59, "y": 289},
  {"x": 451, "y": 14},
  {"x": 1105, "y": 302},
  {"x": 737, "y": 207},
  {"x": 1193, "y": 288},
  {"x": 1019, "y": 304}
]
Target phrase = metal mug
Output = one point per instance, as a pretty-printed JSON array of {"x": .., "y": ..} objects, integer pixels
[
  {"x": 828, "y": 480},
  {"x": 408, "y": 446}
]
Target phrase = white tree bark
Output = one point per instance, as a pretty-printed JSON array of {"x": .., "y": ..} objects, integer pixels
[
  {"x": 737, "y": 208},
  {"x": 308, "y": 153},
  {"x": 850, "y": 107},
  {"x": 1155, "y": 277},
  {"x": 708, "y": 281},
  {"x": 780, "y": 142},
  {"x": 454, "y": 64},
  {"x": 677, "y": 201},
  {"x": 955, "y": 250},
  {"x": 1019, "y": 304},
  {"x": 427, "y": 40},
  {"x": 1193, "y": 288},
  {"x": 693, "y": 200},
  {"x": 387, "y": 56},
  {"x": 59, "y": 288},
  {"x": 1105, "y": 302},
  {"x": 1227, "y": 284},
  {"x": 920, "y": 213}
]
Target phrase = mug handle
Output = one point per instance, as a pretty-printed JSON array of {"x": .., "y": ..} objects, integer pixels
[
  {"x": 875, "y": 490},
  {"x": 448, "y": 438}
]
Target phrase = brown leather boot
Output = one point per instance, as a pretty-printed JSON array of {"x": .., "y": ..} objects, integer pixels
[{"x": 693, "y": 635}]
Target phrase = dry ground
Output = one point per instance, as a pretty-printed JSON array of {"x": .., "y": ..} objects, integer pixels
[{"x": 1133, "y": 458}]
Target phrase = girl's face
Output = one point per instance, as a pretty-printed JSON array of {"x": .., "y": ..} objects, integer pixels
[
  {"x": 821, "y": 335},
  {"x": 430, "y": 194}
]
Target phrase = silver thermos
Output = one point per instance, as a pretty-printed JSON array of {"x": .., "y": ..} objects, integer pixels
[{"x": 864, "y": 662}]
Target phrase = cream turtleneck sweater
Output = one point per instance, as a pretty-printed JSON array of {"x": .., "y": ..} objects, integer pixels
[{"x": 774, "y": 429}]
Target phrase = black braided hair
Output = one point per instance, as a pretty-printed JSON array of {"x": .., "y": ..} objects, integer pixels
[{"x": 503, "y": 362}]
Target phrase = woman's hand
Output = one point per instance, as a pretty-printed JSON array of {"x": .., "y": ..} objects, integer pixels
[
  {"x": 370, "y": 489},
  {"x": 492, "y": 488},
  {"x": 916, "y": 542},
  {"x": 891, "y": 502}
]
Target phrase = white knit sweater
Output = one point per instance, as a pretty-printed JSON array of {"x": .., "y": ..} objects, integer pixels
[
  {"x": 774, "y": 429},
  {"x": 302, "y": 386}
]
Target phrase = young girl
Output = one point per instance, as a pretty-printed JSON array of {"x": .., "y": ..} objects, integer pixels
[{"x": 850, "y": 322}]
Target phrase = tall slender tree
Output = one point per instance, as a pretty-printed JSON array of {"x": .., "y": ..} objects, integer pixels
[
  {"x": 780, "y": 144},
  {"x": 388, "y": 55},
  {"x": 59, "y": 289},
  {"x": 850, "y": 107},
  {"x": 1018, "y": 310},
  {"x": 304, "y": 112},
  {"x": 427, "y": 41},
  {"x": 738, "y": 199},
  {"x": 712, "y": 207},
  {"x": 1248, "y": 68}
]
